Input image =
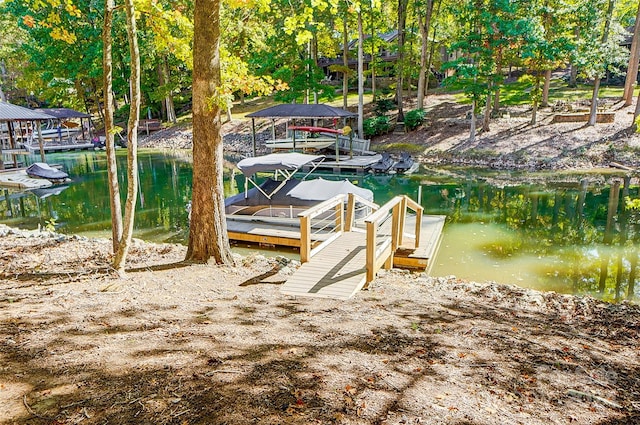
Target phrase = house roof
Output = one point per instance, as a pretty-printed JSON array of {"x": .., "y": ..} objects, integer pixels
[
  {"x": 10, "y": 112},
  {"x": 296, "y": 110},
  {"x": 63, "y": 113}
]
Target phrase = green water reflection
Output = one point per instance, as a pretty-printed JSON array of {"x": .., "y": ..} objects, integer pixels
[{"x": 546, "y": 236}]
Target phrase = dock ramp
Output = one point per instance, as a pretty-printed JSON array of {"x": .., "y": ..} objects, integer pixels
[{"x": 345, "y": 264}]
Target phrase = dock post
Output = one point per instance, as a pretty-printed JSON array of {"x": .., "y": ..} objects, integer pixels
[
  {"x": 305, "y": 238},
  {"x": 371, "y": 252},
  {"x": 351, "y": 208}
]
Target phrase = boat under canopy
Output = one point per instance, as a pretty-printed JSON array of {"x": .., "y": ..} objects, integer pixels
[{"x": 290, "y": 194}]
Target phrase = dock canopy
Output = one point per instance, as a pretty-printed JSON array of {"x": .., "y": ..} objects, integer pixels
[
  {"x": 10, "y": 112},
  {"x": 277, "y": 161},
  {"x": 297, "y": 110},
  {"x": 63, "y": 113}
]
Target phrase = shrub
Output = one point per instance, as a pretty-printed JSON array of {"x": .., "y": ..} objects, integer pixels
[
  {"x": 376, "y": 126},
  {"x": 383, "y": 106},
  {"x": 413, "y": 119}
]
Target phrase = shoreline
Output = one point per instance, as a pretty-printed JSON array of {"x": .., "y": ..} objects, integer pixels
[{"x": 221, "y": 344}]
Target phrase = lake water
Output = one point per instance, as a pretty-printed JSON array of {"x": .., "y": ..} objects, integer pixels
[{"x": 547, "y": 236}]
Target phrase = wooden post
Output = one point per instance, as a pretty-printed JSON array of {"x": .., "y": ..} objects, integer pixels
[
  {"x": 395, "y": 225},
  {"x": 403, "y": 216},
  {"x": 253, "y": 136},
  {"x": 351, "y": 210},
  {"x": 340, "y": 216},
  {"x": 418, "y": 228},
  {"x": 371, "y": 251},
  {"x": 40, "y": 141},
  {"x": 305, "y": 239}
]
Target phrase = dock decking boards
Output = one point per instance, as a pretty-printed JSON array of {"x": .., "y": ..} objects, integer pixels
[
  {"x": 339, "y": 270},
  {"x": 19, "y": 179}
]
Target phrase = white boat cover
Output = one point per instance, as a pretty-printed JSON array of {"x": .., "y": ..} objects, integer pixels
[
  {"x": 276, "y": 161},
  {"x": 297, "y": 193},
  {"x": 321, "y": 190}
]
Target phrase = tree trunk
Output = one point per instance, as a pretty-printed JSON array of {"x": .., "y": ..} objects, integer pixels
[
  {"x": 3, "y": 73},
  {"x": 593, "y": 114},
  {"x": 534, "y": 112},
  {"x": 632, "y": 69},
  {"x": 132, "y": 141},
  {"x": 208, "y": 228},
  {"x": 487, "y": 113},
  {"x": 168, "y": 99},
  {"x": 496, "y": 97},
  {"x": 360, "y": 77},
  {"x": 345, "y": 63},
  {"x": 112, "y": 167},
  {"x": 372, "y": 62},
  {"x": 472, "y": 131},
  {"x": 402, "y": 19},
  {"x": 424, "y": 34},
  {"x": 545, "y": 88}
]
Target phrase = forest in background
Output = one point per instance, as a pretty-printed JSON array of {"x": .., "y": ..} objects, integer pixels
[{"x": 51, "y": 50}]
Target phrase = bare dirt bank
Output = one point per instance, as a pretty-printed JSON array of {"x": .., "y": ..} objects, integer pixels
[
  {"x": 202, "y": 344},
  {"x": 511, "y": 143}
]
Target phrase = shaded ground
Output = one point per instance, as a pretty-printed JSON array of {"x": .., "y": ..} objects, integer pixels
[{"x": 201, "y": 344}]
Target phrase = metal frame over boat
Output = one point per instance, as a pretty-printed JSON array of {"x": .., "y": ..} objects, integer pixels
[{"x": 283, "y": 197}]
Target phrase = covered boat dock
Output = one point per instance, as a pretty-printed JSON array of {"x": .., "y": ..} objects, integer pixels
[{"x": 344, "y": 140}]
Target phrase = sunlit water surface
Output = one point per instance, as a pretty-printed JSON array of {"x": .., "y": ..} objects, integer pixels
[{"x": 548, "y": 236}]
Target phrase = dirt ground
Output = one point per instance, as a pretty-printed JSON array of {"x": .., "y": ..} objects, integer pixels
[
  {"x": 176, "y": 343},
  {"x": 511, "y": 142}
]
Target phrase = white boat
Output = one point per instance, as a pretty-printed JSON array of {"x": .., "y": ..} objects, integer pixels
[
  {"x": 305, "y": 138},
  {"x": 282, "y": 197}
]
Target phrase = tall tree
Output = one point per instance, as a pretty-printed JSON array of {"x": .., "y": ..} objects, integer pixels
[
  {"x": 600, "y": 71},
  {"x": 112, "y": 166},
  {"x": 132, "y": 140},
  {"x": 632, "y": 68},
  {"x": 425, "y": 10},
  {"x": 402, "y": 21},
  {"x": 208, "y": 228}
]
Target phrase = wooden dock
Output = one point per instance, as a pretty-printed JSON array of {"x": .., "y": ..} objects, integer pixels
[
  {"x": 265, "y": 232},
  {"x": 345, "y": 164},
  {"x": 339, "y": 270},
  {"x": 56, "y": 147},
  {"x": 18, "y": 179}
]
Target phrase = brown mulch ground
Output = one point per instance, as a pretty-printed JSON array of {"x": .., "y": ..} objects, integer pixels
[
  {"x": 203, "y": 344},
  {"x": 175, "y": 343}
]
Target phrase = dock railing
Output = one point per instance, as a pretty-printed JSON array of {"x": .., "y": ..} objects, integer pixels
[
  {"x": 329, "y": 217},
  {"x": 331, "y": 222},
  {"x": 379, "y": 255}
]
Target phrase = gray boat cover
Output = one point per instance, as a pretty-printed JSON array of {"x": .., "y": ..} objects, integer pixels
[
  {"x": 276, "y": 161},
  {"x": 298, "y": 193}
]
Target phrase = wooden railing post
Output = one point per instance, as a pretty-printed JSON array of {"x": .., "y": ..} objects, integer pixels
[
  {"x": 351, "y": 212},
  {"x": 305, "y": 238},
  {"x": 403, "y": 216},
  {"x": 340, "y": 216},
  {"x": 418, "y": 228},
  {"x": 371, "y": 251}
]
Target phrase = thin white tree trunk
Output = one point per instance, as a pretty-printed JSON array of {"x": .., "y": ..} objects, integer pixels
[
  {"x": 360, "y": 77},
  {"x": 132, "y": 140},
  {"x": 112, "y": 167}
]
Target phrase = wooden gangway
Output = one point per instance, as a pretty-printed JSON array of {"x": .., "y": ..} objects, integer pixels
[{"x": 347, "y": 261}]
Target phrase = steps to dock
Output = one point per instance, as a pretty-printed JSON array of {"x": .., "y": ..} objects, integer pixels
[{"x": 343, "y": 265}]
